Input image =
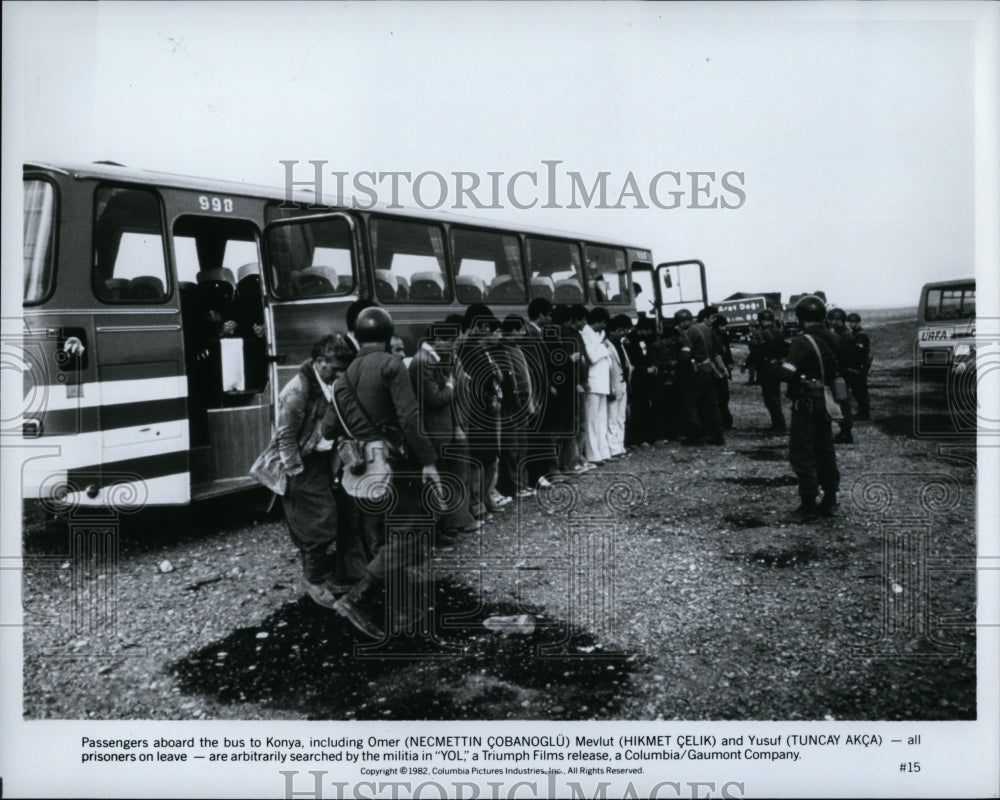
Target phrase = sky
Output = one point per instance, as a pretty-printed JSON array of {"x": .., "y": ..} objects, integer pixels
[{"x": 852, "y": 127}]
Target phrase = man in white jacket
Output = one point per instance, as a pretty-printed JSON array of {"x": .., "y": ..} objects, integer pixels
[{"x": 598, "y": 385}]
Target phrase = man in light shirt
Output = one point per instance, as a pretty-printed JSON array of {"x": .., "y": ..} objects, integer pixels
[{"x": 598, "y": 353}]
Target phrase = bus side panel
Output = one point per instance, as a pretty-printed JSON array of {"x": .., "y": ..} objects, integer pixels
[{"x": 118, "y": 423}]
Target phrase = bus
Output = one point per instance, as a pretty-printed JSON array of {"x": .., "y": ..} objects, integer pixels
[
  {"x": 946, "y": 324},
  {"x": 163, "y": 314}
]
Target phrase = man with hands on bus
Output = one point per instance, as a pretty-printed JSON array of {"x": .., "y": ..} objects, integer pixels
[{"x": 297, "y": 465}]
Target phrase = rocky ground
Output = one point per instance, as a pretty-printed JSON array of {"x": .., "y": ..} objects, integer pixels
[{"x": 664, "y": 586}]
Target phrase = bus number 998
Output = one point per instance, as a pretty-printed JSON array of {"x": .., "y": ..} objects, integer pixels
[{"x": 218, "y": 204}]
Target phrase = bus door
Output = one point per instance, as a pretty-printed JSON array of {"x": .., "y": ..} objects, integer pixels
[
  {"x": 644, "y": 287},
  {"x": 680, "y": 285},
  {"x": 217, "y": 260},
  {"x": 137, "y": 349},
  {"x": 311, "y": 274}
]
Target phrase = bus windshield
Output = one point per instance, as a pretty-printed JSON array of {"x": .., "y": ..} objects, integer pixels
[{"x": 39, "y": 209}]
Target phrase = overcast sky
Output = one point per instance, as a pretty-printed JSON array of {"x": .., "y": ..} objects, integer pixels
[{"x": 853, "y": 125}]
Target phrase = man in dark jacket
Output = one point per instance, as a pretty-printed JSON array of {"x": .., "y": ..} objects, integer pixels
[
  {"x": 542, "y": 351},
  {"x": 642, "y": 424},
  {"x": 432, "y": 375},
  {"x": 479, "y": 394},
  {"x": 375, "y": 403},
  {"x": 707, "y": 369},
  {"x": 721, "y": 336}
]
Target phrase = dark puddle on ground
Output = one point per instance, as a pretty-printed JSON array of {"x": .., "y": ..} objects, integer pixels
[
  {"x": 794, "y": 555},
  {"x": 927, "y": 425},
  {"x": 772, "y": 452},
  {"x": 760, "y": 482},
  {"x": 744, "y": 521},
  {"x": 307, "y": 659}
]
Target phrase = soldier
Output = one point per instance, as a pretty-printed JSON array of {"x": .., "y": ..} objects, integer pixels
[
  {"x": 811, "y": 365},
  {"x": 375, "y": 404},
  {"x": 768, "y": 348},
  {"x": 837, "y": 320},
  {"x": 864, "y": 361}
]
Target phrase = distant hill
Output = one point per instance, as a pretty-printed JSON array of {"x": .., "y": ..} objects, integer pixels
[{"x": 873, "y": 315}]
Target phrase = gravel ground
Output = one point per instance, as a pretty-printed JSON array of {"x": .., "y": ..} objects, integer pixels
[{"x": 663, "y": 586}]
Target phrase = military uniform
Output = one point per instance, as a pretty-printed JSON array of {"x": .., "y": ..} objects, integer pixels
[
  {"x": 382, "y": 406},
  {"x": 810, "y": 443},
  {"x": 863, "y": 360},
  {"x": 849, "y": 372},
  {"x": 768, "y": 348}
]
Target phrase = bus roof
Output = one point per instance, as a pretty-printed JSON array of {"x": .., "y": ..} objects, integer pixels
[
  {"x": 953, "y": 282},
  {"x": 116, "y": 172}
]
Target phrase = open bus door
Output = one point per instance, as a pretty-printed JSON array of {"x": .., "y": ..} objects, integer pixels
[
  {"x": 311, "y": 272},
  {"x": 679, "y": 285}
]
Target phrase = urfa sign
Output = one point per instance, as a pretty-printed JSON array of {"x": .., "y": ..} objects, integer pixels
[{"x": 742, "y": 312}]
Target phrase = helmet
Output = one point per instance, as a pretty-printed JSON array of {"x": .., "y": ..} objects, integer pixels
[
  {"x": 683, "y": 315},
  {"x": 837, "y": 313},
  {"x": 373, "y": 325},
  {"x": 765, "y": 316},
  {"x": 810, "y": 309},
  {"x": 854, "y": 316}
]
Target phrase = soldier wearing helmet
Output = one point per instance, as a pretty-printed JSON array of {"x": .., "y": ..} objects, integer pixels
[
  {"x": 812, "y": 363},
  {"x": 375, "y": 404},
  {"x": 767, "y": 347},
  {"x": 863, "y": 358},
  {"x": 837, "y": 320}
]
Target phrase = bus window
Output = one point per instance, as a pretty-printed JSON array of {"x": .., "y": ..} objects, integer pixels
[
  {"x": 413, "y": 251},
  {"x": 216, "y": 261},
  {"x": 948, "y": 304},
  {"x": 311, "y": 259},
  {"x": 129, "y": 265},
  {"x": 39, "y": 231},
  {"x": 555, "y": 270},
  {"x": 607, "y": 277},
  {"x": 487, "y": 267}
]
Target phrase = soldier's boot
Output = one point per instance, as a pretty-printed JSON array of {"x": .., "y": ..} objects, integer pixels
[
  {"x": 354, "y": 605},
  {"x": 827, "y": 505},
  {"x": 805, "y": 513},
  {"x": 844, "y": 437}
]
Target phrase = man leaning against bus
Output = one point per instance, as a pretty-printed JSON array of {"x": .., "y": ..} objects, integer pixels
[{"x": 297, "y": 465}]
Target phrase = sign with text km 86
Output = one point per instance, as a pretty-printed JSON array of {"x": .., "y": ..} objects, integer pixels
[{"x": 742, "y": 312}]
